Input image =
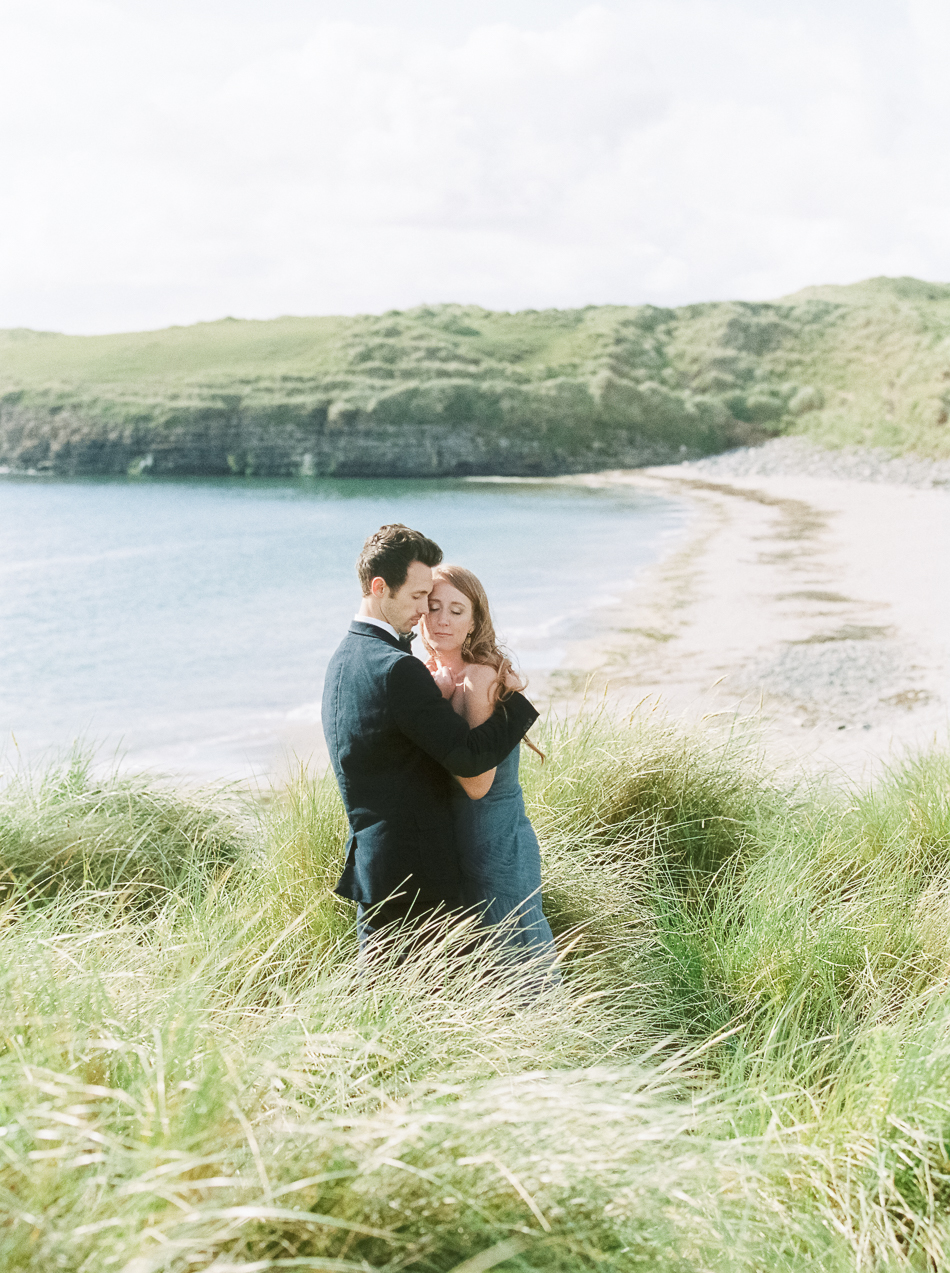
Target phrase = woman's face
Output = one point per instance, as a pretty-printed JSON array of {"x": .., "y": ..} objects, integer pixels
[{"x": 449, "y": 620}]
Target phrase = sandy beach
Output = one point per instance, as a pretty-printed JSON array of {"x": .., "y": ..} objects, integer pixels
[{"x": 816, "y": 607}]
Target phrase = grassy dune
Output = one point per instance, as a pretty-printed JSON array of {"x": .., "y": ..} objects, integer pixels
[
  {"x": 747, "y": 1067},
  {"x": 453, "y": 388}
]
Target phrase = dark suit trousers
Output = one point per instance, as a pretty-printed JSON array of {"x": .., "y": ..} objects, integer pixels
[{"x": 372, "y": 923}]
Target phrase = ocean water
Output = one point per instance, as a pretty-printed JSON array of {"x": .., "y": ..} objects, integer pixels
[{"x": 185, "y": 625}]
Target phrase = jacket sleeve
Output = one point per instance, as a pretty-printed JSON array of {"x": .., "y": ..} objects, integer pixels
[{"x": 423, "y": 715}]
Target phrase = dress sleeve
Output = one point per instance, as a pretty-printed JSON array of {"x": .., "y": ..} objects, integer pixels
[{"x": 423, "y": 715}]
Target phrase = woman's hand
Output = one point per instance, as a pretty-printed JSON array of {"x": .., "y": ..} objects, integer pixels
[{"x": 445, "y": 681}]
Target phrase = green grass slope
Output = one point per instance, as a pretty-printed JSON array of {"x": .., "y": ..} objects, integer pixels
[
  {"x": 456, "y": 389},
  {"x": 746, "y": 1068}
]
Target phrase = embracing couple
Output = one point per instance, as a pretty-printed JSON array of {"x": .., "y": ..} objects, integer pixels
[{"x": 426, "y": 754}]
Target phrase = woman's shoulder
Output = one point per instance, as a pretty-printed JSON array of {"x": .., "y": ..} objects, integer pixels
[
  {"x": 477, "y": 690},
  {"x": 481, "y": 676}
]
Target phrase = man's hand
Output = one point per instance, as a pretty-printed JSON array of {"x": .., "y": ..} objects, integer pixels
[{"x": 445, "y": 681}]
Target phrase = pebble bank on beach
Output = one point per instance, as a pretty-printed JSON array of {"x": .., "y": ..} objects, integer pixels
[{"x": 797, "y": 457}]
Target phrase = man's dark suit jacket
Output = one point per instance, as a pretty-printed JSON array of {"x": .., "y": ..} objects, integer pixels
[{"x": 394, "y": 741}]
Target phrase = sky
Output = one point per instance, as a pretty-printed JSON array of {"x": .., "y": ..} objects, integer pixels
[{"x": 176, "y": 161}]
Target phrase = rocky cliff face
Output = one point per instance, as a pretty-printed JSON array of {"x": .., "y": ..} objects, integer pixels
[
  {"x": 521, "y": 436},
  {"x": 65, "y": 445}
]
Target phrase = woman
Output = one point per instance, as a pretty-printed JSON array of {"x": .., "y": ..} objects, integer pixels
[{"x": 498, "y": 849}]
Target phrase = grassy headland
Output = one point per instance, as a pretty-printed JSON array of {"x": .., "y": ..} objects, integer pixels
[
  {"x": 746, "y": 1068},
  {"x": 454, "y": 389}
]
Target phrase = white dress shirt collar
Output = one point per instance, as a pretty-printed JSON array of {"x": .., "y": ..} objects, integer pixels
[{"x": 380, "y": 623}]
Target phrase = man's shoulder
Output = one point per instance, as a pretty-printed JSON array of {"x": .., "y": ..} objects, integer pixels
[
  {"x": 407, "y": 669},
  {"x": 359, "y": 650},
  {"x": 363, "y": 643},
  {"x": 410, "y": 687}
]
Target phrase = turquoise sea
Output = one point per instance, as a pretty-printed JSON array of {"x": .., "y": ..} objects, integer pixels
[{"x": 185, "y": 625}]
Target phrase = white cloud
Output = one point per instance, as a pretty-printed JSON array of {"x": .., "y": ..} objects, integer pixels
[{"x": 167, "y": 164}]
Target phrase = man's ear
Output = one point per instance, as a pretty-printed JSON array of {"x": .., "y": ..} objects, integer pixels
[{"x": 379, "y": 587}]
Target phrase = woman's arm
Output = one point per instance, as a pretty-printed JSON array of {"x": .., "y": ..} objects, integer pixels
[{"x": 477, "y": 694}]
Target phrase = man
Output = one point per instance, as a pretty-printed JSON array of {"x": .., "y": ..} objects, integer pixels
[{"x": 394, "y": 742}]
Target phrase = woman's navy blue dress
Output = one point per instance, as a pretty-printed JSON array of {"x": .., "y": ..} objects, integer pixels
[{"x": 500, "y": 861}]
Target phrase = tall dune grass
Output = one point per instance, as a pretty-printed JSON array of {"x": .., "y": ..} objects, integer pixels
[{"x": 746, "y": 1067}]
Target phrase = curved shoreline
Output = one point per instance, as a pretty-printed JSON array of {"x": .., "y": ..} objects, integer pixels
[{"x": 815, "y": 608}]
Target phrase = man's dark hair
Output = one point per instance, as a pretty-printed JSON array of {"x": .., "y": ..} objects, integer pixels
[{"x": 390, "y": 552}]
